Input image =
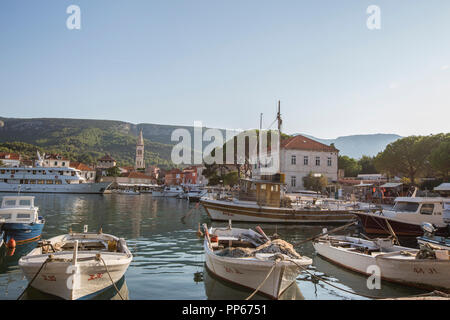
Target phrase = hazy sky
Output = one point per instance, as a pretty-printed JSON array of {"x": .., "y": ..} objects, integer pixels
[{"x": 225, "y": 62}]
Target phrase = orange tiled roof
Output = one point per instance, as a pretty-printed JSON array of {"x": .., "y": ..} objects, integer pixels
[
  {"x": 80, "y": 166},
  {"x": 303, "y": 143},
  {"x": 12, "y": 156},
  {"x": 138, "y": 175}
]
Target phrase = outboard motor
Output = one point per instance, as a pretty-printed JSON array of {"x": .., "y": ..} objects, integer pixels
[{"x": 428, "y": 229}]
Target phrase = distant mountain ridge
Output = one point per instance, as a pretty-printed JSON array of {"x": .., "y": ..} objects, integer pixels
[
  {"x": 356, "y": 146},
  {"x": 84, "y": 140}
]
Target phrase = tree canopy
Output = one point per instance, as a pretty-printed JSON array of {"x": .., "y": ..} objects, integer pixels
[{"x": 411, "y": 156}]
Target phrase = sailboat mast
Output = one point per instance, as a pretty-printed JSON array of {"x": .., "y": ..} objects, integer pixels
[{"x": 279, "y": 136}]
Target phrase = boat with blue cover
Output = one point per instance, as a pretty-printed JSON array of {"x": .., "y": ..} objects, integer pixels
[
  {"x": 20, "y": 218},
  {"x": 431, "y": 238}
]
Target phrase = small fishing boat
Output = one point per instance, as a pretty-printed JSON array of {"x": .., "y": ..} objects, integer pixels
[
  {"x": 76, "y": 265},
  {"x": 21, "y": 220},
  {"x": 128, "y": 192},
  {"x": 194, "y": 195},
  {"x": 406, "y": 217},
  {"x": 263, "y": 200},
  {"x": 424, "y": 268},
  {"x": 430, "y": 237},
  {"x": 252, "y": 260},
  {"x": 169, "y": 192}
]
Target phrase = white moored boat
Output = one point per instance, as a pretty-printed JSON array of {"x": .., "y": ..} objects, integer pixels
[
  {"x": 249, "y": 259},
  {"x": 396, "y": 263},
  {"x": 72, "y": 266},
  {"x": 169, "y": 192},
  {"x": 47, "y": 180}
]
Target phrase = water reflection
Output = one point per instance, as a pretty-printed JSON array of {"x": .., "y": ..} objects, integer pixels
[{"x": 218, "y": 289}]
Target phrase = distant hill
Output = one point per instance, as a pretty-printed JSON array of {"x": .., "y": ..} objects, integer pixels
[
  {"x": 356, "y": 146},
  {"x": 81, "y": 140},
  {"x": 86, "y": 140}
]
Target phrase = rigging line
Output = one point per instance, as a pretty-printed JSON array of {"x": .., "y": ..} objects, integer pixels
[
  {"x": 262, "y": 283},
  {"x": 35, "y": 276},
  {"x": 104, "y": 263}
]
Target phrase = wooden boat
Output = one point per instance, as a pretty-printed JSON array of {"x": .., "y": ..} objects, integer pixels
[
  {"x": 75, "y": 265},
  {"x": 396, "y": 263},
  {"x": 264, "y": 201},
  {"x": 406, "y": 217},
  {"x": 21, "y": 220},
  {"x": 249, "y": 259}
]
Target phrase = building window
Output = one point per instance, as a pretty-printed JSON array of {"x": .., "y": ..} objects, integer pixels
[
  {"x": 293, "y": 160},
  {"x": 305, "y": 160},
  {"x": 317, "y": 161},
  {"x": 56, "y": 163},
  {"x": 329, "y": 161},
  {"x": 293, "y": 181},
  {"x": 63, "y": 164}
]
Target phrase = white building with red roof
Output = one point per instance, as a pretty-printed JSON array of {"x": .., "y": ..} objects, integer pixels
[{"x": 300, "y": 156}]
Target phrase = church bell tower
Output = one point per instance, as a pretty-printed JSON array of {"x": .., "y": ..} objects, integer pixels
[{"x": 140, "y": 164}]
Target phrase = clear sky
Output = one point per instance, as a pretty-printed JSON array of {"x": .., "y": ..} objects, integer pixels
[{"x": 225, "y": 62}]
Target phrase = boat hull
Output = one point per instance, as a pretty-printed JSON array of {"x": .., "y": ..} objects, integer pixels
[
  {"x": 251, "y": 274},
  {"x": 376, "y": 224},
  {"x": 224, "y": 211},
  {"x": 23, "y": 232},
  {"x": 81, "y": 188},
  {"x": 426, "y": 274},
  {"x": 56, "y": 278}
]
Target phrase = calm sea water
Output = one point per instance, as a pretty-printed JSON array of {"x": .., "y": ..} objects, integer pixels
[{"x": 168, "y": 258}]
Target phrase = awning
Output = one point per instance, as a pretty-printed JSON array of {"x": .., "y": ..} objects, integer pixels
[
  {"x": 136, "y": 185},
  {"x": 363, "y": 185},
  {"x": 443, "y": 187},
  {"x": 391, "y": 185}
]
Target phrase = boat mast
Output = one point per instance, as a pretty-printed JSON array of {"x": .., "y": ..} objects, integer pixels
[
  {"x": 260, "y": 141},
  {"x": 279, "y": 136}
]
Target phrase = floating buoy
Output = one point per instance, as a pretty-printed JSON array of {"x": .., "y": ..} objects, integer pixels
[
  {"x": 11, "y": 243},
  {"x": 10, "y": 252}
]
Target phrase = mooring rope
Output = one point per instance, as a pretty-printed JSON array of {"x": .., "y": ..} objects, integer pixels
[
  {"x": 35, "y": 276},
  {"x": 112, "y": 281},
  {"x": 264, "y": 281},
  {"x": 189, "y": 212}
]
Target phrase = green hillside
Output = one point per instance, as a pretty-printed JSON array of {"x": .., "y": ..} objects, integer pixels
[{"x": 80, "y": 140}]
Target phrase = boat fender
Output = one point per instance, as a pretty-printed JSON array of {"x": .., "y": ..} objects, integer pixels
[
  {"x": 214, "y": 239},
  {"x": 11, "y": 243}
]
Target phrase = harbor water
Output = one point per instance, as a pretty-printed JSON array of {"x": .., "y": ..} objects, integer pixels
[{"x": 168, "y": 258}]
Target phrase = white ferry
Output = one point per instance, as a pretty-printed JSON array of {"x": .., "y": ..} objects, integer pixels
[{"x": 47, "y": 180}]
